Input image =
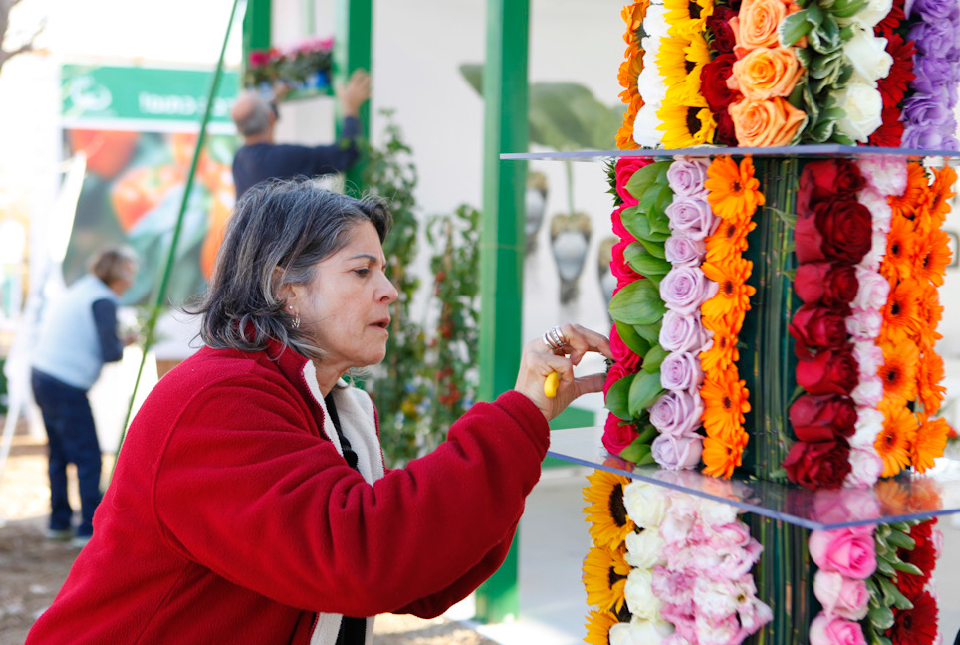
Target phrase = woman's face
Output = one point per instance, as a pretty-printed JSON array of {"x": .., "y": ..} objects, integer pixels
[{"x": 346, "y": 307}]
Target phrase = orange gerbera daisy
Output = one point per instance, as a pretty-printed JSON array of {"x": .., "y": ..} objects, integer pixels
[
  {"x": 899, "y": 370},
  {"x": 733, "y": 297},
  {"x": 901, "y": 314},
  {"x": 723, "y": 355},
  {"x": 734, "y": 191},
  {"x": 906, "y": 205},
  {"x": 936, "y": 204},
  {"x": 629, "y": 71},
  {"x": 633, "y": 16},
  {"x": 624, "y": 138},
  {"x": 931, "y": 256},
  {"x": 929, "y": 378},
  {"x": 895, "y": 441},
  {"x": 930, "y": 312},
  {"x": 725, "y": 402},
  {"x": 929, "y": 444},
  {"x": 729, "y": 240},
  {"x": 898, "y": 261},
  {"x": 720, "y": 457}
]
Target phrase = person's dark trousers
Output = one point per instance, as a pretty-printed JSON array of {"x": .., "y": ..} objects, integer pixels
[{"x": 73, "y": 439}]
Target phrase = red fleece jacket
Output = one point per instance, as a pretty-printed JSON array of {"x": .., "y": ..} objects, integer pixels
[{"x": 232, "y": 518}]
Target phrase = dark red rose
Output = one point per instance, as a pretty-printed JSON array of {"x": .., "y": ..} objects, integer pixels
[
  {"x": 826, "y": 282},
  {"x": 890, "y": 131},
  {"x": 826, "y": 178},
  {"x": 832, "y": 371},
  {"x": 614, "y": 374},
  {"x": 818, "y": 465},
  {"x": 823, "y": 418},
  {"x": 619, "y": 267},
  {"x": 625, "y": 168},
  {"x": 923, "y": 555},
  {"x": 917, "y": 626},
  {"x": 726, "y": 133},
  {"x": 837, "y": 231},
  {"x": 893, "y": 87},
  {"x": 617, "y": 434},
  {"x": 713, "y": 82},
  {"x": 816, "y": 326},
  {"x": 719, "y": 23},
  {"x": 621, "y": 353}
]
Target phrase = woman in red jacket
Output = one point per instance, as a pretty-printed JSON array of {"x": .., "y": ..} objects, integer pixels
[{"x": 250, "y": 503}]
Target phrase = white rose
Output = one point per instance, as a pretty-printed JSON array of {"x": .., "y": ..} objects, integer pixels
[
  {"x": 640, "y": 632},
  {"x": 868, "y": 426},
  {"x": 865, "y": 468},
  {"x": 867, "y": 55},
  {"x": 870, "y": 15},
  {"x": 644, "y": 548},
  {"x": 641, "y": 601},
  {"x": 862, "y": 104},
  {"x": 645, "y": 503}
]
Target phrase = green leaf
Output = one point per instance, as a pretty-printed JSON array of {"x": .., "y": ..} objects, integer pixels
[
  {"x": 650, "y": 333},
  {"x": 628, "y": 334},
  {"x": 638, "y": 452},
  {"x": 644, "y": 390},
  {"x": 638, "y": 303},
  {"x": 847, "y": 8},
  {"x": 794, "y": 27},
  {"x": 901, "y": 540},
  {"x": 642, "y": 179},
  {"x": 618, "y": 398},
  {"x": 648, "y": 434},
  {"x": 655, "y": 249},
  {"x": 648, "y": 200},
  {"x": 653, "y": 358},
  {"x": 906, "y": 567},
  {"x": 641, "y": 261},
  {"x": 881, "y": 618},
  {"x": 885, "y": 567}
]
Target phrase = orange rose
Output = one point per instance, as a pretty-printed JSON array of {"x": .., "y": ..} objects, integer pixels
[
  {"x": 765, "y": 73},
  {"x": 756, "y": 24},
  {"x": 772, "y": 122}
]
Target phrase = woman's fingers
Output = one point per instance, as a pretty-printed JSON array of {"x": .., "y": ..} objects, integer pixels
[{"x": 581, "y": 340}]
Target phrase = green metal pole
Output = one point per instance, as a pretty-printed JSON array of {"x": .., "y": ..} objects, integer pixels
[
  {"x": 353, "y": 50},
  {"x": 256, "y": 27},
  {"x": 503, "y": 243}
]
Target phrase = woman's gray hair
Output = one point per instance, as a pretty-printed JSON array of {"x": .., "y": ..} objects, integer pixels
[{"x": 285, "y": 225}]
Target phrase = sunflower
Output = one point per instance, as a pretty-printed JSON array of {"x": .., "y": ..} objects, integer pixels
[
  {"x": 672, "y": 62},
  {"x": 734, "y": 191},
  {"x": 722, "y": 355},
  {"x": 720, "y": 457},
  {"x": 729, "y": 240},
  {"x": 688, "y": 17},
  {"x": 696, "y": 54},
  {"x": 898, "y": 261},
  {"x": 932, "y": 256},
  {"x": 936, "y": 204},
  {"x": 725, "y": 402},
  {"x": 624, "y": 137},
  {"x": 733, "y": 296},
  {"x": 605, "y": 575},
  {"x": 606, "y": 513},
  {"x": 899, "y": 370},
  {"x": 686, "y": 125},
  {"x": 930, "y": 374},
  {"x": 906, "y": 205},
  {"x": 629, "y": 71},
  {"x": 929, "y": 444},
  {"x": 896, "y": 439},
  {"x": 598, "y": 627},
  {"x": 901, "y": 314}
]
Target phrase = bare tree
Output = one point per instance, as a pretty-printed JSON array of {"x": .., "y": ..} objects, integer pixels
[{"x": 23, "y": 42}]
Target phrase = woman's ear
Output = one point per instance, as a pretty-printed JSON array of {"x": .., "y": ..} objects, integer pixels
[{"x": 286, "y": 293}]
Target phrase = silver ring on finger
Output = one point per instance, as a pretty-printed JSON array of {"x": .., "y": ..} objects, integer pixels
[{"x": 554, "y": 338}]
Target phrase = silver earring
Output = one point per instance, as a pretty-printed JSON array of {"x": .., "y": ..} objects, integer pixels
[{"x": 296, "y": 322}]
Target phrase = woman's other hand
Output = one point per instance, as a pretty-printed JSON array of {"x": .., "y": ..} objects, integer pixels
[{"x": 539, "y": 360}]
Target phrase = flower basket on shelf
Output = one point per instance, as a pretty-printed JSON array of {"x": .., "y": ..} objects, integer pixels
[{"x": 303, "y": 67}]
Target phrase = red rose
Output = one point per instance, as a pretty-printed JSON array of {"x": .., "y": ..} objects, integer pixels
[
  {"x": 621, "y": 353},
  {"x": 617, "y": 225},
  {"x": 719, "y": 23},
  {"x": 826, "y": 282},
  {"x": 619, "y": 267},
  {"x": 617, "y": 434},
  {"x": 614, "y": 374},
  {"x": 890, "y": 131},
  {"x": 832, "y": 371},
  {"x": 713, "y": 82},
  {"x": 625, "y": 168},
  {"x": 923, "y": 555},
  {"x": 823, "y": 418},
  {"x": 838, "y": 230},
  {"x": 815, "y": 326},
  {"x": 726, "y": 132},
  {"x": 818, "y": 465},
  {"x": 825, "y": 178}
]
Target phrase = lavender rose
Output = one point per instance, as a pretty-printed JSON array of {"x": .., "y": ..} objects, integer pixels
[
  {"x": 682, "y": 333},
  {"x": 682, "y": 251},
  {"x": 677, "y": 413},
  {"x": 680, "y": 371},
  {"x": 691, "y": 216},
  {"x": 677, "y": 453},
  {"x": 684, "y": 289},
  {"x": 686, "y": 177}
]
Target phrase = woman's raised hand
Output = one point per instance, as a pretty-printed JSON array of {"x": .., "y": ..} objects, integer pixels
[{"x": 558, "y": 351}]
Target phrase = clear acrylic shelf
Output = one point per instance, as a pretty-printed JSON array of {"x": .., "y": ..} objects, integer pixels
[
  {"x": 902, "y": 498},
  {"x": 815, "y": 150}
]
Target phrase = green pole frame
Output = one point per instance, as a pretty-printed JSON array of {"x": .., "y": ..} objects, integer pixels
[
  {"x": 502, "y": 244},
  {"x": 256, "y": 27},
  {"x": 353, "y": 50}
]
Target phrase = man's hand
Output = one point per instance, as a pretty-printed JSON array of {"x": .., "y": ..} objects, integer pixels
[{"x": 355, "y": 93}]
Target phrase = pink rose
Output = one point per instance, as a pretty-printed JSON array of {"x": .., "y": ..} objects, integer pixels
[
  {"x": 683, "y": 251},
  {"x": 617, "y": 434},
  {"x": 686, "y": 176},
  {"x": 849, "y": 551},
  {"x": 825, "y": 630},
  {"x": 691, "y": 216},
  {"x": 865, "y": 468},
  {"x": 845, "y": 504},
  {"x": 619, "y": 267},
  {"x": 624, "y": 169},
  {"x": 621, "y": 353},
  {"x": 677, "y": 453},
  {"x": 680, "y": 371},
  {"x": 684, "y": 289},
  {"x": 614, "y": 374},
  {"x": 683, "y": 333},
  {"x": 841, "y": 596},
  {"x": 677, "y": 413},
  {"x": 617, "y": 224}
]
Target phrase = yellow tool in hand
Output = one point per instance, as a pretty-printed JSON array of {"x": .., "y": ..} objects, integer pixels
[{"x": 551, "y": 385}]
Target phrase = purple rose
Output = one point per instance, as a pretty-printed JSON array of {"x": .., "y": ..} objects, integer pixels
[
  {"x": 934, "y": 38},
  {"x": 935, "y": 10},
  {"x": 682, "y": 251},
  {"x": 683, "y": 332},
  {"x": 677, "y": 413},
  {"x": 680, "y": 371},
  {"x": 691, "y": 216},
  {"x": 684, "y": 289},
  {"x": 925, "y": 109},
  {"x": 686, "y": 177},
  {"x": 677, "y": 453}
]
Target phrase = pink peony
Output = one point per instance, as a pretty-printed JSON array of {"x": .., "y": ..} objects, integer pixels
[{"x": 849, "y": 551}]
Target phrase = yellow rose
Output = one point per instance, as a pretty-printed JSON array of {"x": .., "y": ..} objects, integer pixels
[
  {"x": 770, "y": 122},
  {"x": 765, "y": 73}
]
